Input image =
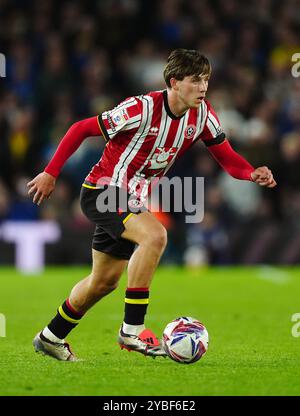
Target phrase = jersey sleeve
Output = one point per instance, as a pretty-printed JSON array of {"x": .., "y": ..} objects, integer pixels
[
  {"x": 126, "y": 116},
  {"x": 212, "y": 132}
]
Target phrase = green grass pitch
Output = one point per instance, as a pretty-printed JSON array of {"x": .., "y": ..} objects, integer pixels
[{"x": 247, "y": 312}]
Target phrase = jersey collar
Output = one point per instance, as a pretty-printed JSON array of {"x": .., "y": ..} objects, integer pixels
[{"x": 167, "y": 108}]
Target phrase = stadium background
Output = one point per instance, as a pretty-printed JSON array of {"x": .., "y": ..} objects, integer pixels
[{"x": 69, "y": 60}]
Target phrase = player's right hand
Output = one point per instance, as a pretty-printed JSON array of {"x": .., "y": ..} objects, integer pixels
[
  {"x": 263, "y": 177},
  {"x": 41, "y": 186}
]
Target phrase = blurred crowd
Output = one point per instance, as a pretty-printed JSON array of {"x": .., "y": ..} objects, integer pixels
[{"x": 67, "y": 60}]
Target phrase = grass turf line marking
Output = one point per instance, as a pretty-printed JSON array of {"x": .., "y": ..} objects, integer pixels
[{"x": 273, "y": 275}]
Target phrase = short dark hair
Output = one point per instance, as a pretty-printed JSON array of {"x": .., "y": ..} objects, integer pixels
[{"x": 185, "y": 62}]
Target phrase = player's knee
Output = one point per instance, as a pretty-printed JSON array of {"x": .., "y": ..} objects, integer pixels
[{"x": 157, "y": 238}]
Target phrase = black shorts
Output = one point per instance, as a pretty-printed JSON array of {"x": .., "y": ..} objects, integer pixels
[{"x": 110, "y": 217}]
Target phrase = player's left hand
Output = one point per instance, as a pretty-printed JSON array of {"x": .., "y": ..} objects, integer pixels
[{"x": 263, "y": 177}]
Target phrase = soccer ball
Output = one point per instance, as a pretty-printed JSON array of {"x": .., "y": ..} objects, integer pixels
[{"x": 185, "y": 340}]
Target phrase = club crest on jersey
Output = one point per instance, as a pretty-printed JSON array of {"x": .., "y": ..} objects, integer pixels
[
  {"x": 190, "y": 131},
  {"x": 161, "y": 157}
]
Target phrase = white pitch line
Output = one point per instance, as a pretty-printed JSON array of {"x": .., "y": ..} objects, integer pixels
[{"x": 273, "y": 275}]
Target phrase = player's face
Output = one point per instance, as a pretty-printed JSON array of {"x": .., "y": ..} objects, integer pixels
[{"x": 192, "y": 90}]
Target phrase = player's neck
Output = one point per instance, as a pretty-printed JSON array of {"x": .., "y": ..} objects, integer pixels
[{"x": 177, "y": 106}]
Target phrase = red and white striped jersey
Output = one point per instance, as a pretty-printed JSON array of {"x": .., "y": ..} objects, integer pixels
[{"x": 144, "y": 139}]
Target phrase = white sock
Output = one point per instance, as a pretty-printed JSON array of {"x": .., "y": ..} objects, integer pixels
[
  {"x": 133, "y": 329},
  {"x": 49, "y": 335}
]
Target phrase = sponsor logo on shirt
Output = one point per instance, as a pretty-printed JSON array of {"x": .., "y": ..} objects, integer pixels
[{"x": 161, "y": 157}]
